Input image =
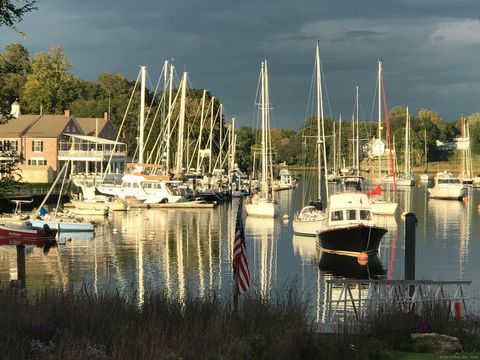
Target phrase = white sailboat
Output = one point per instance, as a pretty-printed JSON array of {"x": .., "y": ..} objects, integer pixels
[
  {"x": 407, "y": 178},
  {"x": 425, "y": 177},
  {"x": 141, "y": 181},
  {"x": 381, "y": 206},
  {"x": 311, "y": 217},
  {"x": 263, "y": 204}
]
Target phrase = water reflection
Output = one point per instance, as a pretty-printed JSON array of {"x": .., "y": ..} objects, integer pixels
[
  {"x": 182, "y": 252},
  {"x": 263, "y": 235},
  {"x": 349, "y": 266},
  {"x": 305, "y": 246}
]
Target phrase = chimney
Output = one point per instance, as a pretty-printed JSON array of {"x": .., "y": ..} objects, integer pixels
[
  {"x": 67, "y": 113},
  {"x": 15, "y": 110},
  {"x": 105, "y": 115}
]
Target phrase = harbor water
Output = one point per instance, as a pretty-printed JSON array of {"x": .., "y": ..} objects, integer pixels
[{"x": 187, "y": 252}]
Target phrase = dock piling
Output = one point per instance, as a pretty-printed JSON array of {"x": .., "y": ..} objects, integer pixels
[
  {"x": 410, "y": 223},
  {"x": 21, "y": 265}
]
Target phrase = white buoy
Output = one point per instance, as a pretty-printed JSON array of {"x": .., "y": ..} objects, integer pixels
[
  {"x": 115, "y": 230},
  {"x": 285, "y": 217}
]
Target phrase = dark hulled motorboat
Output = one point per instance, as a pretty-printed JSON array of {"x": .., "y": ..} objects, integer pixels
[
  {"x": 349, "y": 227},
  {"x": 353, "y": 238}
]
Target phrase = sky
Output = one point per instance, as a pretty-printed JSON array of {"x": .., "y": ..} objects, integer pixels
[{"x": 430, "y": 49}]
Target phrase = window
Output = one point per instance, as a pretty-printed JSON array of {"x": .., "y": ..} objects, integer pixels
[
  {"x": 351, "y": 214},
  {"x": 37, "y": 162},
  {"x": 9, "y": 145},
  {"x": 337, "y": 215},
  {"x": 37, "y": 145},
  {"x": 365, "y": 215}
]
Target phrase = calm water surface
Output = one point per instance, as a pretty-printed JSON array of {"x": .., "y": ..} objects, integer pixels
[{"x": 188, "y": 252}]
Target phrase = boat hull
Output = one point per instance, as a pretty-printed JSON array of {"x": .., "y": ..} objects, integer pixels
[
  {"x": 262, "y": 209},
  {"x": 27, "y": 233},
  {"x": 447, "y": 193},
  {"x": 383, "y": 207},
  {"x": 352, "y": 239},
  {"x": 62, "y": 226},
  {"x": 307, "y": 227}
]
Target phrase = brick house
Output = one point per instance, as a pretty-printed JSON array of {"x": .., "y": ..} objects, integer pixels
[{"x": 48, "y": 141}]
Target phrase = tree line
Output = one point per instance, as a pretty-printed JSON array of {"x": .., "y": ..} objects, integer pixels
[{"x": 45, "y": 84}]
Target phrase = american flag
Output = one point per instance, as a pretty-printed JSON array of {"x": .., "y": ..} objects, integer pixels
[{"x": 240, "y": 262}]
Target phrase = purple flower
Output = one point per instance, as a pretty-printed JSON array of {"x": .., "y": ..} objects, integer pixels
[
  {"x": 48, "y": 330},
  {"x": 422, "y": 326}
]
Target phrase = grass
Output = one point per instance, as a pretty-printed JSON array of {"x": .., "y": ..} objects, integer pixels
[
  {"x": 56, "y": 325},
  {"x": 60, "y": 325}
]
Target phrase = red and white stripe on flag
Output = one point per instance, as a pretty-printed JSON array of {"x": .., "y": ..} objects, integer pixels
[{"x": 240, "y": 261}]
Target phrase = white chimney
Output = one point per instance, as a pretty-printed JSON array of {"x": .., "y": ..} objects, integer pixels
[{"x": 15, "y": 111}]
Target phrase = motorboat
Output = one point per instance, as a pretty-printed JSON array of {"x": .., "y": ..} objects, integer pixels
[
  {"x": 26, "y": 231},
  {"x": 285, "y": 182},
  {"x": 308, "y": 221},
  {"x": 349, "y": 227},
  {"x": 447, "y": 187}
]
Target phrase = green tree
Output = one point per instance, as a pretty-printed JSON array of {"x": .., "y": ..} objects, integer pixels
[
  {"x": 50, "y": 87},
  {"x": 14, "y": 68},
  {"x": 245, "y": 141},
  {"x": 11, "y": 14}
]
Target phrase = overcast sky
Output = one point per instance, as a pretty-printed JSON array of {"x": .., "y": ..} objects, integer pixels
[{"x": 430, "y": 48}]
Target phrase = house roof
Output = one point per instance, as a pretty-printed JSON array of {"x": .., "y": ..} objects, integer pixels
[
  {"x": 48, "y": 126},
  {"x": 16, "y": 126},
  {"x": 88, "y": 125}
]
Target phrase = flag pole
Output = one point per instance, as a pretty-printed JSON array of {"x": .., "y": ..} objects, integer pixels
[{"x": 235, "y": 290}]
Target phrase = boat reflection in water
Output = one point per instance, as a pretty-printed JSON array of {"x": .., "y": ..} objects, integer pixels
[
  {"x": 350, "y": 267},
  {"x": 262, "y": 253}
]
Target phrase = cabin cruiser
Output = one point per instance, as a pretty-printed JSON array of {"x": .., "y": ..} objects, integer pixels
[
  {"x": 285, "y": 182},
  {"x": 447, "y": 187},
  {"x": 150, "y": 189},
  {"x": 349, "y": 227}
]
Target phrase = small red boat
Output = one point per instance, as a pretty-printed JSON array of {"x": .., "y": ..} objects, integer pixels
[{"x": 26, "y": 232}]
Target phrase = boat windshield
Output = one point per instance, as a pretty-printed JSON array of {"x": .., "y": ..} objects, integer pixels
[
  {"x": 351, "y": 214},
  {"x": 337, "y": 215},
  {"x": 365, "y": 215}
]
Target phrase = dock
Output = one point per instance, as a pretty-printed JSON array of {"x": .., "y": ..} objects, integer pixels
[{"x": 180, "y": 205}]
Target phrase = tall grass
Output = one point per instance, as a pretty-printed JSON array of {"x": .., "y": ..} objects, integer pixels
[{"x": 58, "y": 325}]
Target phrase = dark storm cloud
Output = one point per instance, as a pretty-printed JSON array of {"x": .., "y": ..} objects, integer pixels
[{"x": 430, "y": 48}]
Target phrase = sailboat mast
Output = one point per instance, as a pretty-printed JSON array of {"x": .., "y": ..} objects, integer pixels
[
  {"x": 181, "y": 125},
  {"x": 264, "y": 140},
  {"x": 354, "y": 148},
  {"x": 379, "y": 117},
  {"x": 268, "y": 138},
  {"x": 407, "y": 145},
  {"x": 334, "y": 148},
  {"x": 169, "y": 122},
  {"x": 210, "y": 136},
  {"x": 221, "y": 135},
  {"x": 320, "y": 123},
  {"x": 340, "y": 142},
  {"x": 142, "y": 114},
  {"x": 201, "y": 130},
  {"x": 357, "y": 147}
]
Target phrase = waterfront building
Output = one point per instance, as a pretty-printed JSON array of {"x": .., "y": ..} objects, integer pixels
[{"x": 42, "y": 143}]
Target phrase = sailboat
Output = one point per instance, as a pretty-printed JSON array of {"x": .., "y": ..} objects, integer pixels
[
  {"x": 310, "y": 218},
  {"x": 425, "y": 177},
  {"x": 407, "y": 178},
  {"x": 380, "y": 206},
  {"x": 466, "y": 172},
  {"x": 141, "y": 181},
  {"x": 263, "y": 204}
]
